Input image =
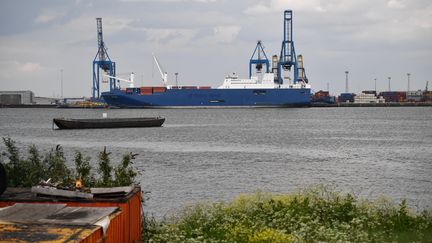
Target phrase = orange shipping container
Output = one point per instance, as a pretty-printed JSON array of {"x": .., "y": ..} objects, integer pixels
[
  {"x": 125, "y": 228},
  {"x": 159, "y": 89}
]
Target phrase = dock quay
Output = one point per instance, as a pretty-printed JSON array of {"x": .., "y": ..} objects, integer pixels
[{"x": 390, "y": 104}]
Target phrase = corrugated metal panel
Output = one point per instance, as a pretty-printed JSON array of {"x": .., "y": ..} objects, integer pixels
[
  {"x": 96, "y": 236},
  {"x": 135, "y": 217},
  {"x": 54, "y": 222},
  {"x": 49, "y": 233},
  {"x": 115, "y": 232}
]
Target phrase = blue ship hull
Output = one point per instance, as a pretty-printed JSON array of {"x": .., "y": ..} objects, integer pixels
[{"x": 210, "y": 98}]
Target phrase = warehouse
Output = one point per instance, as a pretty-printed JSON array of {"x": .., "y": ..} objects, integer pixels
[{"x": 16, "y": 97}]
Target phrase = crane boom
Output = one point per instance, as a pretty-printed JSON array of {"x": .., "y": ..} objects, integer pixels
[
  {"x": 164, "y": 75},
  {"x": 130, "y": 81},
  {"x": 101, "y": 44}
]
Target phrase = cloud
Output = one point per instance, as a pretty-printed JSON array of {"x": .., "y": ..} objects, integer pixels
[
  {"x": 30, "y": 67},
  {"x": 170, "y": 1},
  {"x": 49, "y": 16},
  {"x": 226, "y": 34},
  {"x": 167, "y": 34},
  {"x": 355, "y": 34},
  {"x": 396, "y": 4},
  {"x": 280, "y": 5}
]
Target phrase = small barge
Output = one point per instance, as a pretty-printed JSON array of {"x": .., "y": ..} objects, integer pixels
[{"x": 63, "y": 123}]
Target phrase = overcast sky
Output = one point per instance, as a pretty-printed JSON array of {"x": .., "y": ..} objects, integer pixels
[{"x": 204, "y": 40}]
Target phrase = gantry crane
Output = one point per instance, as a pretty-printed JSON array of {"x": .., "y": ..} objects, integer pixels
[
  {"x": 287, "y": 58},
  {"x": 102, "y": 62},
  {"x": 259, "y": 61}
]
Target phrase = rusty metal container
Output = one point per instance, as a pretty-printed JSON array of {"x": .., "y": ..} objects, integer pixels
[{"x": 125, "y": 227}]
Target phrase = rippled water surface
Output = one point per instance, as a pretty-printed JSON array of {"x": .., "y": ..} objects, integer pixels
[{"x": 212, "y": 154}]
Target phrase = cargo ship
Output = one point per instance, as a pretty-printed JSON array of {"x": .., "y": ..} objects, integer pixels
[
  {"x": 268, "y": 87},
  {"x": 233, "y": 93}
]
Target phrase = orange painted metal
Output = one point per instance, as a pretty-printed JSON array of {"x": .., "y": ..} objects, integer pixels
[
  {"x": 97, "y": 236},
  {"x": 159, "y": 89},
  {"x": 125, "y": 227}
]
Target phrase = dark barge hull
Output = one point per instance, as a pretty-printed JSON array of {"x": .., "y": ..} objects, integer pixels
[{"x": 108, "y": 123}]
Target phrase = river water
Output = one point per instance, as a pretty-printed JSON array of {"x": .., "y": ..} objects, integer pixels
[{"x": 215, "y": 154}]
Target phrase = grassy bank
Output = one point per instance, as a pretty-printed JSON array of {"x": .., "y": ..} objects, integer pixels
[{"x": 312, "y": 215}]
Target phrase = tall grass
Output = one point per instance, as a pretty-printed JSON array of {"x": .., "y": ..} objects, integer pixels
[{"x": 317, "y": 214}]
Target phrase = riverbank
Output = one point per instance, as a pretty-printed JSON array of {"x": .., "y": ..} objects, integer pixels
[{"x": 28, "y": 106}]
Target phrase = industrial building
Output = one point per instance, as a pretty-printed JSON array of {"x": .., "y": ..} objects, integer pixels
[
  {"x": 24, "y": 97},
  {"x": 45, "y": 100}
]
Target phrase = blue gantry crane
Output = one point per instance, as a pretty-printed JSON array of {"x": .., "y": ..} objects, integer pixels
[
  {"x": 260, "y": 60},
  {"x": 102, "y": 62},
  {"x": 287, "y": 58}
]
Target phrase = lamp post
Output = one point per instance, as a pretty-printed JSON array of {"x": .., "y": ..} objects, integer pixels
[
  {"x": 375, "y": 85},
  {"x": 408, "y": 74},
  {"x": 346, "y": 81},
  {"x": 389, "y": 87},
  {"x": 61, "y": 83}
]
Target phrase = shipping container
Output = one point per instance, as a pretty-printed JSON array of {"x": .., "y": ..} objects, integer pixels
[
  {"x": 346, "y": 97},
  {"x": 159, "y": 89},
  {"x": 369, "y": 92},
  {"x": 146, "y": 90},
  {"x": 189, "y": 87},
  {"x": 127, "y": 228},
  {"x": 393, "y": 96},
  {"x": 427, "y": 96}
]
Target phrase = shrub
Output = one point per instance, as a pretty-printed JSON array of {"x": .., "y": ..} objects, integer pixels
[
  {"x": 105, "y": 170},
  {"x": 30, "y": 171},
  {"x": 318, "y": 214},
  {"x": 57, "y": 170},
  {"x": 124, "y": 174},
  {"x": 83, "y": 169}
]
